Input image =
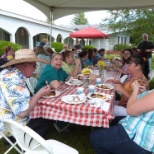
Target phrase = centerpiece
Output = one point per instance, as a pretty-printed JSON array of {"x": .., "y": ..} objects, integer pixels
[{"x": 101, "y": 65}]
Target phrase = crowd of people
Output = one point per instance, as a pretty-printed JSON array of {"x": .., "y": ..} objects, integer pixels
[{"x": 133, "y": 134}]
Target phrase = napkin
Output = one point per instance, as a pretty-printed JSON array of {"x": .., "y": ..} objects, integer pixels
[{"x": 99, "y": 103}]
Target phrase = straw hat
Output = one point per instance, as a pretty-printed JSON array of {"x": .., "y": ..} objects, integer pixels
[{"x": 23, "y": 56}]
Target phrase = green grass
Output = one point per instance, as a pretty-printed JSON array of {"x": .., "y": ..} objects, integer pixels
[{"x": 78, "y": 138}]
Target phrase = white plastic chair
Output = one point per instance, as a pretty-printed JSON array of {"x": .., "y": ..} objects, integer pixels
[
  {"x": 13, "y": 145},
  {"x": 151, "y": 75},
  {"x": 31, "y": 83},
  {"x": 32, "y": 143}
]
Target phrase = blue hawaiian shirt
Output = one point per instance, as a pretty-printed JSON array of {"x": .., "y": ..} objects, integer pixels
[{"x": 14, "y": 96}]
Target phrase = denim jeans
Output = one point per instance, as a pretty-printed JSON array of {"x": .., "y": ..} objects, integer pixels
[
  {"x": 114, "y": 140},
  {"x": 149, "y": 61}
]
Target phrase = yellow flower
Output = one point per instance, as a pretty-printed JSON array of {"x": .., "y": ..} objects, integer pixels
[
  {"x": 9, "y": 57},
  {"x": 86, "y": 71},
  {"x": 101, "y": 63},
  {"x": 110, "y": 58}
]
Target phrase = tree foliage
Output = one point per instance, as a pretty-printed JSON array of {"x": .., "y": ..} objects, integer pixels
[
  {"x": 132, "y": 21},
  {"x": 80, "y": 19}
]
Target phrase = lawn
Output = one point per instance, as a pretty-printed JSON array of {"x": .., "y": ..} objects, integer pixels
[{"x": 78, "y": 137}]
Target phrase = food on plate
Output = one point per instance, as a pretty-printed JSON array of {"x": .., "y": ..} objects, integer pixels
[
  {"x": 103, "y": 86},
  {"x": 74, "y": 99},
  {"x": 52, "y": 93},
  {"x": 98, "y": 95},
  {"x": 86, "y": 71}
]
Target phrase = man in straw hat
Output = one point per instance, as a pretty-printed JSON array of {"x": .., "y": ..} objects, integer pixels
[{"x": 15, "y": 100}]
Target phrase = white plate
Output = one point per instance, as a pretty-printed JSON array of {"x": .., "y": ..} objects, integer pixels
[
  {"x": 73, "y": 82},
  {"x": 69, "y": 99},
  {"x": 57, "y": 94},
  {"x": 110, "y": 87},
  {"x": 80, "y": 75},
  {"x": 95, "y": 67},
  {"x": 106, "y": 96}
]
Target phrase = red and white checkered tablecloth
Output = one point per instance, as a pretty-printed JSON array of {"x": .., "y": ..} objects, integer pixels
[{"x": 82, "y": 114}]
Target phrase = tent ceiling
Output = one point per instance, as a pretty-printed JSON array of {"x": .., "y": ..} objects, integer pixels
[{"x": 62, "y": 8}]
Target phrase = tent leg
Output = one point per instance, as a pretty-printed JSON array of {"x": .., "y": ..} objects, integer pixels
[{"x": 51, "y": 19}]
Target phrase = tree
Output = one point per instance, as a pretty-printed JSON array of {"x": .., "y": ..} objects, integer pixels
[
  {"x": 132, "y": 21},
  {"x": 80, "y": 19}
]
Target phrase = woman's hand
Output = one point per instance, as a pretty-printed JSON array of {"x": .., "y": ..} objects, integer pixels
[
  {"x": 77, "y": 62},
  {"x": 119, "y": 88},
  {"x": 135, "y": 86},
  {"x": 142, "y": 89}
]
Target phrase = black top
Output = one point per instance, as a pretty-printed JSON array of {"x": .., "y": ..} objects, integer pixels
[{"x": 145, "y": 45}]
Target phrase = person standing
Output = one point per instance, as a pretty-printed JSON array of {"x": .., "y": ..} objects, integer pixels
[{"x": 145, "y": 49}]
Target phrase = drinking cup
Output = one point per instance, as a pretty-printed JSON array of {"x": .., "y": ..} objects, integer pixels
[
  {"x": 86, "y": 82},
  {"x": 98, "y": 81},
  {"x": 80, "y": 90},
  {"x": 91, "y": 89}
]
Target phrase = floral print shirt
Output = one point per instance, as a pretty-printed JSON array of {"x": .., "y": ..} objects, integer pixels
[
  {"x": 14, "y": 96},
  {"x": 127, "y": 86}
]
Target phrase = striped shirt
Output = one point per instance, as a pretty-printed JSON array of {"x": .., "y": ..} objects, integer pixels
[{"x": 141, "y": 128}]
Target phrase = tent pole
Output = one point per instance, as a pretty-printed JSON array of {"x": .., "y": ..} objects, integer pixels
[{"x": 51, "y": 20}]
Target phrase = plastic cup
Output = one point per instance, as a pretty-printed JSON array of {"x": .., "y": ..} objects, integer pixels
[
  {"x": 98, "y": 81},
  {"x": 86, "y": 82},
  {"x": 91, "y": 89},
  {"x": 80, "y": 90}
]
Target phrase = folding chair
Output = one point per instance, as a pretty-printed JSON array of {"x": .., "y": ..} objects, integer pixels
[
  {"x": 13, "y": 145},
  {"x": 31, "y": 83},
  {"x": 32, "y": 143}
]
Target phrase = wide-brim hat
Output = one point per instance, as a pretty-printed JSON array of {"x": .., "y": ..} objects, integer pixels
[{"x": 23, "y": 56}]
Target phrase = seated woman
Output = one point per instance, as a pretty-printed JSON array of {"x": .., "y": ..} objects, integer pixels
[
  {"x": 83, "y": 55},
  {"x": 40, "y": 53},
  {"x": 89, "y": 60},
  {"x": 124, "y": 69},
  {"x": 134, "y": 133},
  {"x": 135, "y": 68},
  {"x": 70, "y": 65},
  {"x": 95, "y": 57},
  {"x": 8, "y": 53},
  {"x": 101, "y": 53},
  {"x": 53, "y": 73}
]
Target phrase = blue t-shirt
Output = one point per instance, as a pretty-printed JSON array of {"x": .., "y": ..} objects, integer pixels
[
  {"x": 89, "y": 62},
  {"x": 49, "y": 74}
]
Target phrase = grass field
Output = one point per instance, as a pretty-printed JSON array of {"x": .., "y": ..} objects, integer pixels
[{"x": 78, "y": 137}]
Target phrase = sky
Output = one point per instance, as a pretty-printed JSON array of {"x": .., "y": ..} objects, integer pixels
[{"x": 23, "y": 8}]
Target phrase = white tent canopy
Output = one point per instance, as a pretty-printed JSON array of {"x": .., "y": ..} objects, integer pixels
[{"x": 61, "y": 8}]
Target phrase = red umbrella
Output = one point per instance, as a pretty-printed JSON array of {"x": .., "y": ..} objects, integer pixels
[{"x": 89, "y": 32}]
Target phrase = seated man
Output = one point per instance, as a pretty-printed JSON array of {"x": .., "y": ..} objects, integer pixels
[
  {"x": 15, "y": 100},
  {"x": 133, "y": 134}
]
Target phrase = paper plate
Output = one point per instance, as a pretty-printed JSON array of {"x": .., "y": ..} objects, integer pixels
[
  {"x": 105, "y": 86},
  {"x": 51, "y": 96},
  {"x": 102, "y": 96},
  {"x": 71, "y": 99}
]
